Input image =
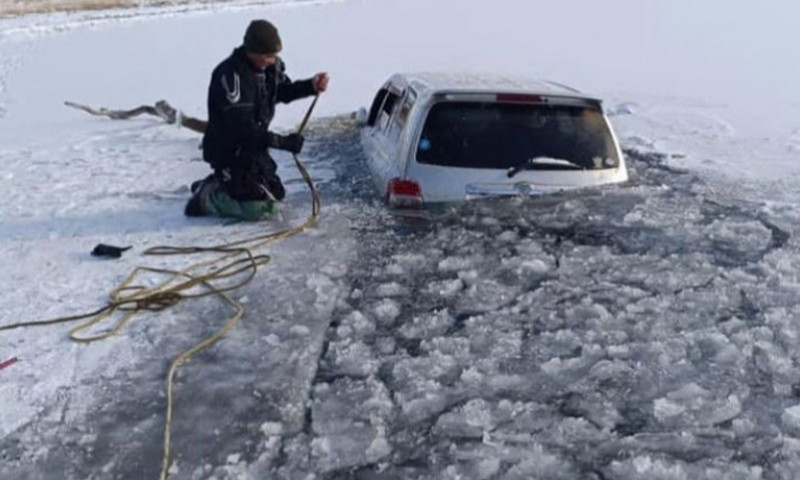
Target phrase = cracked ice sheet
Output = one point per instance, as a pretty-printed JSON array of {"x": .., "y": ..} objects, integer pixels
[{"x": 655, "y": 327}]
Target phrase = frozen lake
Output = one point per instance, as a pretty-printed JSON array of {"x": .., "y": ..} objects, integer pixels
[
  {"x": 640, "y": 331},
  {"x": 643, "y": 331}
]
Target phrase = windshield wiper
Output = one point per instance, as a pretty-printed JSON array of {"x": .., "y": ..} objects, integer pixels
[{"x": 542, "y": 163}]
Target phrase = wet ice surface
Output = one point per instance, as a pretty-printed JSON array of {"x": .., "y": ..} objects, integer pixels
[{"x": 644, "y": 331}]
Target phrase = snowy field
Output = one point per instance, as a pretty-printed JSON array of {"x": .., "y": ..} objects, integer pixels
[
  {"x": 11, "y": 8},
  {"x": 643, "y": 331}
]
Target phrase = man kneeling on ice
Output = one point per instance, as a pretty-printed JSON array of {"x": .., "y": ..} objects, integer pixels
[{"x": 241, "y": 104}]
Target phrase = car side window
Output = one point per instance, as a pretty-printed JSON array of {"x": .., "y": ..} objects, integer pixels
[
  {"x": 405, "y": 108},
  {"x": 385, "y": 113},
  {"x": 376, "y": 106},
  {"x": 398, "y": 120}
]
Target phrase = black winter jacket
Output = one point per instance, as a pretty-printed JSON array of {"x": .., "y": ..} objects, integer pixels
[{"x": 241, "y": 105}]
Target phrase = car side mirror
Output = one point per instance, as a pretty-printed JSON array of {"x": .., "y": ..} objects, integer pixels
[{"x": 361, "y": 117}]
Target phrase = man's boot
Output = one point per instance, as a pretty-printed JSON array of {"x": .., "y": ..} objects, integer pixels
[{"x": 200, "y": 204}]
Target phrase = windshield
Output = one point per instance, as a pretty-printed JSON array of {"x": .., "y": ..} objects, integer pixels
[{"x": 500, "y": 135}]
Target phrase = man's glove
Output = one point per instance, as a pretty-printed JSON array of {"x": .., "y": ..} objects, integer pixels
[{"x": 291, "y": 143}]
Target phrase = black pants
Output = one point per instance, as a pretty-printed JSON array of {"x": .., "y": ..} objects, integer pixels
[{"x": 251, "y": 178}]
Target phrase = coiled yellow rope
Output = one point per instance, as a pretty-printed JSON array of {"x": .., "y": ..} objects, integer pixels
[{"x": 236, "y": 260}]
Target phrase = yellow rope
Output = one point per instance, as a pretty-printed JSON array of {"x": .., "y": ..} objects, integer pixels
[{"x": 236, "y": 259}]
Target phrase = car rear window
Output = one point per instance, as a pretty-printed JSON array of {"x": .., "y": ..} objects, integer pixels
[{"x": 506, "y": 135}]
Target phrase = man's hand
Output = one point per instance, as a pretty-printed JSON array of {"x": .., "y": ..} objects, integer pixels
[
  {"x": 321, "y": 82},
  {"x": 291, "y": 143}
]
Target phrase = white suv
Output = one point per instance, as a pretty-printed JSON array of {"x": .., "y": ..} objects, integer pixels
[{"x": 443, "y": 137}]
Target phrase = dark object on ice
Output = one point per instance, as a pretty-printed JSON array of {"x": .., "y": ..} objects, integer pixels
[
  {"x": 8, "y": 363},
  {"x": 161, "y": 109},
  {"x": 103, "y": 250}
]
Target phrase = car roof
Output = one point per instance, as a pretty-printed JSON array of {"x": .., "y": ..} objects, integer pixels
[{"x": 429, "y": 83}]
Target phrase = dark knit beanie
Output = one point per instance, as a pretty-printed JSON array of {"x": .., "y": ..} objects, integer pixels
[{"x": 262, "y": 37}]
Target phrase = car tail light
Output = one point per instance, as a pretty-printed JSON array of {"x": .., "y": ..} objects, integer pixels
[
  {"x": 519, "y": 98},
  {"x": 404, "y": 193}
]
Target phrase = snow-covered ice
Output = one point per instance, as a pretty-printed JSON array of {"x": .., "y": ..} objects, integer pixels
[{"x": 641, "y": 331}]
